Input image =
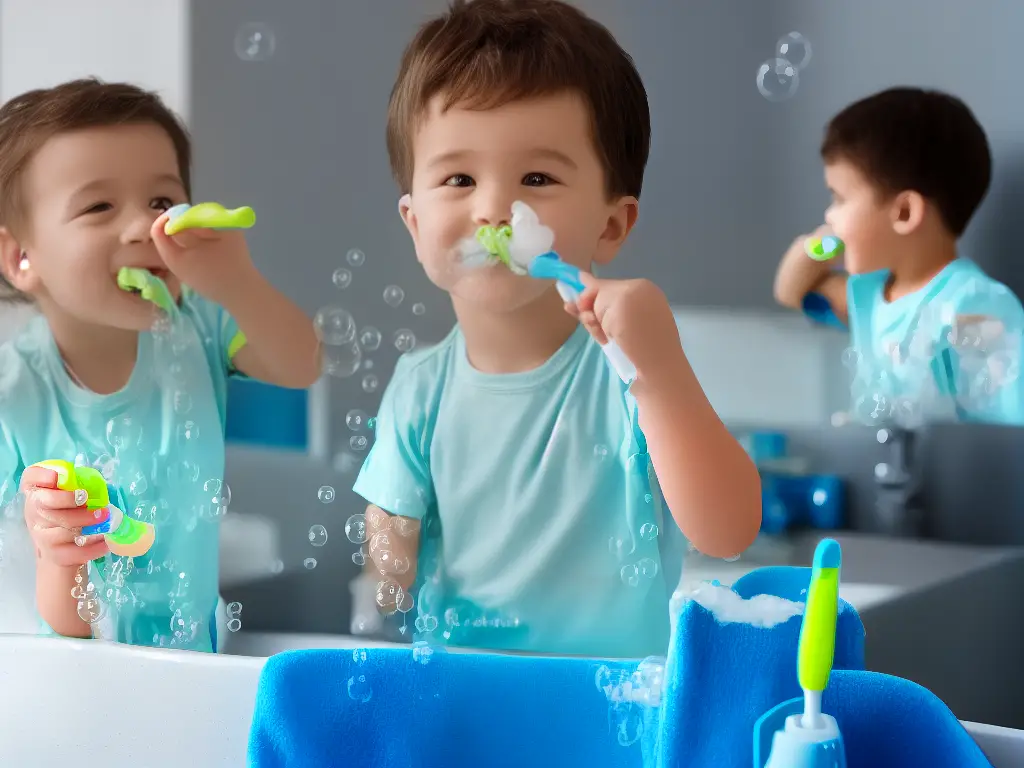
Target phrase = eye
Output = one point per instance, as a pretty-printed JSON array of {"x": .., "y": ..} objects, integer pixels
[
  {"x": 161, "y": 203},
  {"x": 459, "y": 180},
  {"x": 98, "y": 208},
  {"x": 537, "y": 180}
]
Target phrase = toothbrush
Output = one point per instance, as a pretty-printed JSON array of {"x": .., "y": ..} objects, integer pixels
[
  {"x": 824, "y": 248},
  {"x": 808, "y": 739},
  {"x": 125, "y": 536},
  {"x": 524, "y": 246}
]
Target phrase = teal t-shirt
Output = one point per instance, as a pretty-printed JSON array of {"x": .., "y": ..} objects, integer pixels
[
  {"x": 951, "y": 349},
  {"x": 542, "y": 523},
  {"x": 160, "y": 443}
]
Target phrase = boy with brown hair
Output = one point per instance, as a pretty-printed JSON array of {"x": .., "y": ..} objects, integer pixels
[
  {"x": 88, "y": 171},
  {"x": 933, "y": 335},
  {"x": 533, "y": 460}
]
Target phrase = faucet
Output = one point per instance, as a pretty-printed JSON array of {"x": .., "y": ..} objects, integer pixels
[{"x": 898, "y": 494}]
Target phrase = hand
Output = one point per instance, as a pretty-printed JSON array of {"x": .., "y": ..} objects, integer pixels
[
  {"x": 635, "y": 314},
  {"x": 209, "y": 261},
  {"x": 798, "y": 274},
  {"x": 55, "y": 520}
]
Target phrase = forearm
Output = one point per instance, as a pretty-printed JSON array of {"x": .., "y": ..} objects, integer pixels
[
  {"x": 281, "y": 347},
  {"x": 711, "y": 486},
  {"x": 397, "y": 559},
  {"x": 54, "y": 602}
]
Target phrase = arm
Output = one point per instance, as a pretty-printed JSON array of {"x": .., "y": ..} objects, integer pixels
[
  {"x": 798, "y": 275},
  {"x": 280, "y": 345},
  {"x": 403, "y": 546}
]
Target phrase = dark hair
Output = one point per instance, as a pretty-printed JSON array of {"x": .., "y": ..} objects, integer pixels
[
  {"x": 915, "y": 139},
  {"x": 28, "y": 121},
  {"x": 492, "y": 52}
]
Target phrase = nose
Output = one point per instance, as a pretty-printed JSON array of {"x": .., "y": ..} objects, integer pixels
[
  {"x": 137, "y": 226},
  {"x": 492, "y": 206}
]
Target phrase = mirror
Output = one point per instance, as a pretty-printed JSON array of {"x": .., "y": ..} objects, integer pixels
[{"x": 287, "y": 112}]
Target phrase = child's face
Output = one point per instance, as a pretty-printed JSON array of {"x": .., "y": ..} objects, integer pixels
[
  {"x": 860, "y": 217},
  {"x": 92, "y": 196},
  {"x": 471, "y": 165}
]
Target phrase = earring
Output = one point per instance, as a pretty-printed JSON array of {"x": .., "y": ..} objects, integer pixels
[{"x": 23, "y": 263}]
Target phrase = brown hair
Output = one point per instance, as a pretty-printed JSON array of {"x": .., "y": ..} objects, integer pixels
[
  {"x": 914, "y": 139},
  {"x": 28, "y": 121},
  {"x": 491, "y": 52}
]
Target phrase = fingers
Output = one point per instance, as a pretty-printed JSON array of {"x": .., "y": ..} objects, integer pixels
[
  {"x": 593, "y": 326},
  {"x": 49, "y": 508},
  {"x": 38, "y": 477},
  {"x": 62, "y": 547}
]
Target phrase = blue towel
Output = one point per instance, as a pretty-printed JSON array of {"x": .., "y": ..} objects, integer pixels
[{"x": 383, "y": 708}]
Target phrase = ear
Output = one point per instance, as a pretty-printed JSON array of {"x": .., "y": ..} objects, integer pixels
[
  {"x": 907, "y": 211},
  {"x": 23, "y": 280},
  {"x": 621, "y": 219},
  {"x": 408, "y": 217}
]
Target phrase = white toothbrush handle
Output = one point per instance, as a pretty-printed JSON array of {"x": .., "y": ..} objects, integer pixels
[{"x": 620, "y": 363}]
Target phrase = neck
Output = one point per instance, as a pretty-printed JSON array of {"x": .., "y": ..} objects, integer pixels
[
  {"x": 516, "y": 341},
  {"x": 920, "y": 263},
  {"x": 97, "y": 357}
]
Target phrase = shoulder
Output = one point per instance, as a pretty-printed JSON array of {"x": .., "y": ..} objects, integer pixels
[
  {"x": 22, "y": 365},
  {"x": 864, "y": 290},
  {"x": 419, "y": 378},
  {"x": 968, "y": 290}
]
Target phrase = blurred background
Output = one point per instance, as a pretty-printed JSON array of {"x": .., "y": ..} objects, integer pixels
[{"x": 286, "y": 104}]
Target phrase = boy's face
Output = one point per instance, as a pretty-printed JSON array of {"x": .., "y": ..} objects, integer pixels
[
  {"x": 91, "y": 197},
  {"x": 471, "y": 165},
  {"x": 860, "y": 217}
]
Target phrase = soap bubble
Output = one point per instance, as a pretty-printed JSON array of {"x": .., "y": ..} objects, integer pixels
[
  {"x": 600, "y": 452},
  {"x": 355, "y": 420},
  {"x": 355, "y": 257},
  {"x": 234, "y": 625},
  {"x": 188, "y": 432},
  {"x": 325, "y": 494},
  {"x": 648, "y": 531},
  {"x": 255, "y": 41},
  {"x": 794, "y": 47},
  {"x": 334, "y": 326},
  {"x": 777, "y": 79},
  {"x": 182, "y": 402},
  {"x": 647, "y": 568},
  {"x": 359, "y": 689},
  {"x": 405, "y": 340},
  {"x": 630, "y": 575},
  {"x": 872, "y": 409},
  {"x": 393, "y": 295},
  {"x": 317, "y": 535},
  {"x": 342, "y": 278},
  {"x": 419, "y": 309},
  {"x": 218, "y": 496},
  {"x": 367, "y": 365},
  {"x": 123, "y": 432},
  {"x": 369, "y": 338},
  {"x": 342, "y": 360},
  {"x": 309, "y": 563},
  {"x": 370, "y": 383},
  {"x": 355, "y": 529},
  {"x": 233, "y": 610},
  {"x": 421, "y": 652},
  {"x": 358, "y": 443},
  {"x": 630, "y": 724}
]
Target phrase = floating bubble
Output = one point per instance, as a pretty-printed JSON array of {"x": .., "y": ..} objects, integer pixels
[
  {"x": 359, "y": 557},
  {"x": 355, "y": 420},
  {"x": 317, "y": 535},
  {"x": 358, "y": 443},
  {"x": 648, "y": 531},
  {"x": 405, "y": 340},
  {"x": 393, "y": 295},
  {"x": 367, "y": 365},
  {"x": 370, "y": 383},
  {"x": 777, "y": 79},
  {"x": 421, "y": 652},
  {"x": 355, "y": 257},
  {"x": 341, "y": 361},
  {"x": 325, "y": 494},
  {"x": 309, "y": 563},
  {"x": 359, "y": 689},
  {"x": 188, "y": 432},
  {"x": 355, "y": 529},
  {"x": 182, "y": 403},
  {"x": 600, "y": 452},
  {"x": 341, "y": 278},
  {"x": 255, "y": 41},
  {"x": 123, "y": 432},
  {"x": 630, "y": 725},
  {"x": 218, "y": 497},
  {"x": 419, "y": 309},
  {"x": 872, "y": 409},
  {"x": 334, "y": 326},
  {"x": 648, "y": 498},
  {"x": 234, "y": 625},
  {"x": 233, "y": 609},
  {"x": 794, "y": 47},
  {"x": 369, "y": 339},
  {"x": 630, "y": 575}
]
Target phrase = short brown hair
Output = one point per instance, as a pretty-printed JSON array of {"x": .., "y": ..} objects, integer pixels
[
  {"x": 28, "y": 121},
  {"x": 915, "y": 139},
  {"x": 492, "y": 52}
]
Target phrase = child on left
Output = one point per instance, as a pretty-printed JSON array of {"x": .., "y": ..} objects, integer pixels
[{"x": 88, "y": 171}]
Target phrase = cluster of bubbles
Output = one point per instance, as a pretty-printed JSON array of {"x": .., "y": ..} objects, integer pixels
[
  {"x": 779, "y": 77},
  {"x": 631, "y": 694},
  {"x": 234, "y": 614},
  {"x": 634, "y": 568},
  {"x": 343, "y": 344}
]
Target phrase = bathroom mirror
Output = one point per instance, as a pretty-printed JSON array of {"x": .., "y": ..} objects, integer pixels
[{"x": 287, "y": 104}]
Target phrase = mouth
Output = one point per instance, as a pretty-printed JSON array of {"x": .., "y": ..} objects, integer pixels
[{"x": 148, "y": 284}]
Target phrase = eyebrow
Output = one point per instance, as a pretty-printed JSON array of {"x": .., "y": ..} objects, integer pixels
[
  {"x": 541, "y": 152},
  {"x": 97, "y": 184}
]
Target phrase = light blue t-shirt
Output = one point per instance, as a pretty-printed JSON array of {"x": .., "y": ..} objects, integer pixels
[
  {"x": 160, "y": 442},
  {"x": 542, "y": 521},
  {"x": 949, "y": 350}
]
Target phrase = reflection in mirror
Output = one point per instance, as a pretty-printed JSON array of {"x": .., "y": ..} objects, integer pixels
[{"x": 473, "y": 470}]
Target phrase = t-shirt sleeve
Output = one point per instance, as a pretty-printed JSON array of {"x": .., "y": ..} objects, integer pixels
[
  {"x": 218, "y": 330},
  {"x": 818, "y": 310},
  {"x": 10, "y": 467},
  {"x": 396, "y": 474}
]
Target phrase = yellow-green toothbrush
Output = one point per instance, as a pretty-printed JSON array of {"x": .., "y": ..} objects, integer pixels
[{"x": 207, "y": 216}]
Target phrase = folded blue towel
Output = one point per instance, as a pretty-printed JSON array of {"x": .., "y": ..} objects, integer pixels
[{"x": 384, "y": 708}]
